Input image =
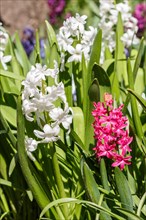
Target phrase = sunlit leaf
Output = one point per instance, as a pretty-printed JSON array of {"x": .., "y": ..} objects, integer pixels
[
  {"x": 9, "y": 114},
  {"x": 51, "y": 34},
  {"x": 21, "y": 55},
  {"x": 13, "y": 164},
  {"x": 79, "y": 127}
]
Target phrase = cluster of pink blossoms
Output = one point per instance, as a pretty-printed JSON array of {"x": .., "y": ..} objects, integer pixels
[{"x": 110, "y": 131}]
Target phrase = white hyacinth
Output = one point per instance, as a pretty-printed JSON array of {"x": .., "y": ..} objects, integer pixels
[
  {"x": 3, "y": 42},
  {"x": 109, "y": 16},
  {"x": 31, "y": 145},
  {"x": 49, "y": 134},
  {"x": 46, "y": 104},
  {"x": 74, "y": 40}
]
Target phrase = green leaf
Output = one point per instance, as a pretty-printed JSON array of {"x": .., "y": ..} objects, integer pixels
[
  {"x": 53, "y": 55},
  {"x": 131, "y": 182},
  {"x": 139, "y": 80},
  {"x": 78, "y": 142},
  {"x": 51, "y": 34},
  {"x": 16, "y": 68},
  {"x": 120, "y": 66},
  {"x": 88, "y": 105},
  {"x": 9, "y": 114},
  {"x": 90, "y": 183},
  {"x": 6, "y": 182},
  {"x": 94, "y": 91},
  {"x": 123, "y": 189},
  {"x": 13, "y": 164},
  {"x": 120, "y": 71},
  {"x": 107, "y": 54},
  {"x": 103, "y": 80},
  {"x": 135, "y": 113},
  {"x": 92, "y": 188},
  {"x": 104, "y": 177},
  {"x": 4, "y": 215},
  {"x": 21, "y": 55},
  {"x": 78, "y": 79},
  {"x": 66, "y": 78},
  {"x": 96, "y": 50},
  {"x": 9, "y": 86},
  {"x": 141, "y": 100},
  {"x": 141, "y": 203},
  {"x": 37, "y": 47},
  {"x": 138, "y": 58},
  {"x": 8, "y": 130},
  {"x": 94, "y": 57},
  {"x": 140, "y": 143},
  {"x": 129, "y": 214},
  {"x": 3, "y": 164},
  {"x": 85, "y": 86},
  {"x": 30, "y": 195},
  {"x": 115, "y": 86},
  {"x": 31, "y": 180},
  {"x": 108, "y": 66},
  {"x": 79, "y": 127},
  {"x": 77, "y": 201}
]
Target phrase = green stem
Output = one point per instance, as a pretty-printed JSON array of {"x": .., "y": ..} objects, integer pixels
[{"x": 59, "y": 179}]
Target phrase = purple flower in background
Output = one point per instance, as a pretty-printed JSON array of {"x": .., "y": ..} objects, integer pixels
[
  {"x": 56, "y": 7},
  {"x": 42, "y": 50},
  {"x": 28, "y": 33},
  {"x": 140, "y": 15},
  {"x": 127, "y": 52},
  {"x": 28, "y": 40}
]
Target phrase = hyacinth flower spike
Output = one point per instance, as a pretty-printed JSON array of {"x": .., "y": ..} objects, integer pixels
[
  {"x": 111, "y": 133},
  {"x": 39, "y": 103}
]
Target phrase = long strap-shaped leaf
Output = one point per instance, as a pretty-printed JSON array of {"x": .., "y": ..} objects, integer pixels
[
  {"x": 141, "y": 100},
  {"x": 7, "y": 128},
  {"x": 78, "y": 123},
  {"x": 104, "y": 177},
  {"x": 92, "y": 189},
  {"x": 88, "y": 106},
  {"x": 136, "y": 118},
  {"x": 123, "y": 189},
  {"x": 37, "y": 191},
  {"x": 82, "y": 202},
  {"x": 138, "y": 58}
]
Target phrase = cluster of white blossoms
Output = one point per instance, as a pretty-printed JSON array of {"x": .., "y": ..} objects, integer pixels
[
  {"x": 44, "y": 100},
  {"x": 74, "y": 40},
  {"x": 109, "y": 16},
  {"x": 3, "y": 42}
]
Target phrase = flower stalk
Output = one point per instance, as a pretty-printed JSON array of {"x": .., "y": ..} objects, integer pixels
[{"x": 58, "y": 178}]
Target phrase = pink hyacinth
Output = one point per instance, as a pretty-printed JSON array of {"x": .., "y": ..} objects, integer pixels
[{"x": 110, "y": 131}]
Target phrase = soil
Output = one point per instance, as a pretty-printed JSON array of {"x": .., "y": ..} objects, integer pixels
[{"x": 18, "y": 14}]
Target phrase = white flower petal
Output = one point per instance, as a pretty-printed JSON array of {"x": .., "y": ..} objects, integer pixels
[{"x": 6, "y": 59}]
